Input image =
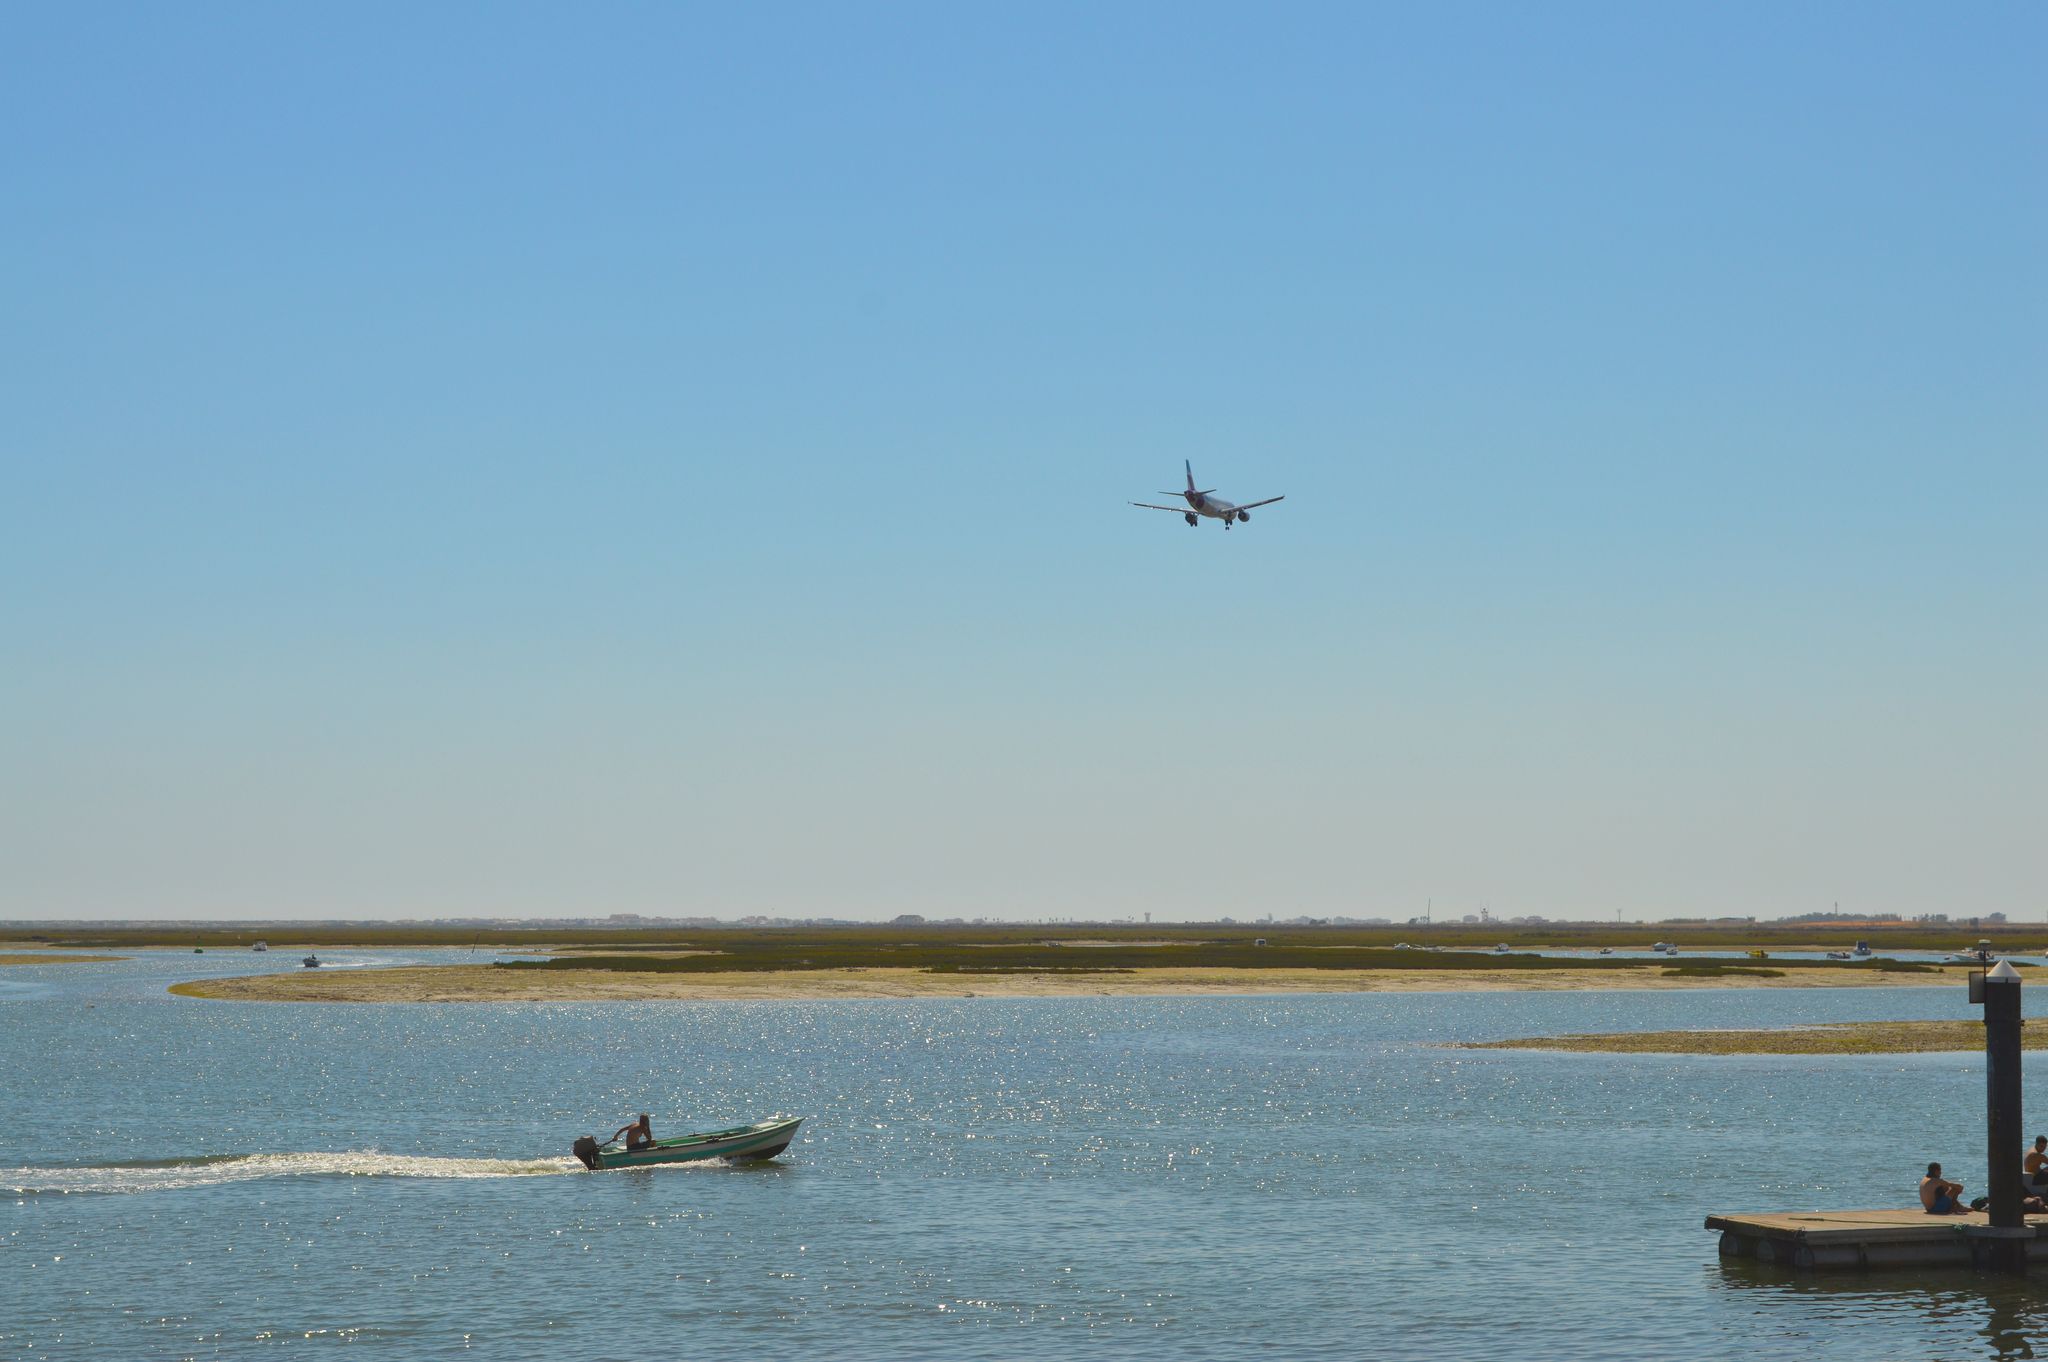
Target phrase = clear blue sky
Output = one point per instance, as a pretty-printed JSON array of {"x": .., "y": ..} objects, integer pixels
[{"x": 502, "y": 460}]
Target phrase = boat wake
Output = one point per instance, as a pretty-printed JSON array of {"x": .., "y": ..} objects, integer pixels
[{"x": 170, "y": 1174}]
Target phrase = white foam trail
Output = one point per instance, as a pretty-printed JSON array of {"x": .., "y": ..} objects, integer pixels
[{"x": 241, "y": 1168}]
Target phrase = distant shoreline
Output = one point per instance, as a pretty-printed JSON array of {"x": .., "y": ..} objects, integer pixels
[
  {"x": 1842, "y": 936},
  {"x": 482, "y": 983}
]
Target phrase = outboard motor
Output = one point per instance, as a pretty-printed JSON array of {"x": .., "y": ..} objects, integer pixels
[{"x": 585, "y": 1149}]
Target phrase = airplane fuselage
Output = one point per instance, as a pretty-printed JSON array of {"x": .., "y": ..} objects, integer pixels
[{"x": 1216, "y": 508}]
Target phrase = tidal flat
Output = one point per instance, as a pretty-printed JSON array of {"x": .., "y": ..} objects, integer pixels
[
  {"x": 52, "y": 958},
  {"x": 1831, "y": 1038},
  {"x": 493, "y": 984}
]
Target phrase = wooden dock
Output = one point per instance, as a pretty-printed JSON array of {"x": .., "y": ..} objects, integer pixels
[{"x": 1824, "y": 1241}]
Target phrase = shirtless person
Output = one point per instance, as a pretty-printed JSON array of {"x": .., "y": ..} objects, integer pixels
[
  {"x": 1940, "y": 1197},
  {"x": 638, "y": 1135},
  {"x": 2036, "y": 1165}
]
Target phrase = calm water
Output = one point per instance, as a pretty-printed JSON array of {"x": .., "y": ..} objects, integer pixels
[{"x": 1274, "y": 1176}]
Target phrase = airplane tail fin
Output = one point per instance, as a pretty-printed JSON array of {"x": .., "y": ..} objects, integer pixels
[{"x": 1189, "y": 465}]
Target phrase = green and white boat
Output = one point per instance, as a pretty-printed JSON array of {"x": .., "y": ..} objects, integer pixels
[{"x": 762, "y": 1140}]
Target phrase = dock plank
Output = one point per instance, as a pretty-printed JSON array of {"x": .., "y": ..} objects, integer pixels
[
  {"x": 1822, "y": 1226},
  {"x": 1906, "y": 1237}
]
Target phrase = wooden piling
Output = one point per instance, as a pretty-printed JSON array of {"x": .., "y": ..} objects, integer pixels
[{"x": 2005, "y": 1138}]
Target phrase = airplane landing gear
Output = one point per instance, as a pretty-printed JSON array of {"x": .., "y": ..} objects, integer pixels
[{"x": 1191, "y": 520}]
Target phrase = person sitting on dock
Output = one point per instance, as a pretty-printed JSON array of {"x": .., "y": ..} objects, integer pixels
[
  {"x": 639, "y": 1135},
  {"x": 2036, "y": 1167},
  {"x": 1941, "y": 1197}
]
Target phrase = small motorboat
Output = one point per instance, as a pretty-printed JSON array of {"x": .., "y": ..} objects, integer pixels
[
  {"x": 311, "y": 962},
  {"x": 1840, "y": 955},
  {"x": 260, "y": 946},
  {"x": 1863, "y": 948},
  {"x": 1663, "y": 946},
  {"x": 762, "y": 1140},
  {"x": 1607, "y": 950}
]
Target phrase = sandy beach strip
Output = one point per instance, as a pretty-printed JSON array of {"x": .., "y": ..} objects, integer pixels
[
  {"x": 1830, "y": 1038},
  {"x": 482, "y": 983},
  {"x": 39, "y": 959}
]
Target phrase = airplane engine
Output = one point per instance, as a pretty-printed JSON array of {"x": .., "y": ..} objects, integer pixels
[{"x": 1244, "y": 515}]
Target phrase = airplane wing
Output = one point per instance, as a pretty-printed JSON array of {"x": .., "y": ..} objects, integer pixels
[
  {"x": 1249, "y": 504},
  {"x": 1150, "y": 507}
]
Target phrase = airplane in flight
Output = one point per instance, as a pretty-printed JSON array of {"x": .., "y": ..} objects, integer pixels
[{"x": 1203, "y": 504}]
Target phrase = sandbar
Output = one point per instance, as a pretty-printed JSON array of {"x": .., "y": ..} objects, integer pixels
[
  {"x": 60, "y": 959},
  {"x": 1828, "y": 1038},
  {"x": 482, "y": 983}
]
